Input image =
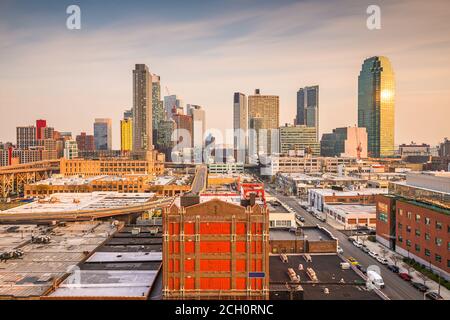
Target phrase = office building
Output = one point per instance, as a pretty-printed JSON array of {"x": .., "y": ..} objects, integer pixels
[
  {"x": 444, "y": 148},
  {"x": 376, "y": 109},
  {"x": 71, "y": 149},
  {"x": 103, "y": 134},
  {"x": 142, "y": 110},
  {"x": 157, "y": 106},
  {"x": 308, "y": 108},
  {"x": 173, "y": 105},
  {"x": 164, "y": 142},
  {"x": 344, "y": 142},
  {"x": 26, "y": 137},
  {"x": 299, "y": 137},
  {"x": 183, "y": 130},
  {"x": 85, "y": 142},
  {"x": 240, "y": 126},
  {"x": 126, "y": 131},
  {"x": 267, "y": 109},
  {"x": 198, "y": 129}
]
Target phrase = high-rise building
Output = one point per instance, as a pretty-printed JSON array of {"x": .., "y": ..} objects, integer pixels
[
  {"x": 164, "y": 140},
  {"x": 39, "y": 125},
  {"x": 240, "y": 126},
  {"x": 308, "y": 107},
  {"x": 157, "y": 105},
  {"x": 85, "y": 142},
  {"x": 128, "y": 114},
  {"x": 142, "y": 109},
  {"x": 26, "y": 137},
  {"x": 344, "y": 142},
  {"x": 126, "y": 134},
  {"x": 70, "y": 149},
  {"x": 266, "y": 107},
  {"x": 183, "y": 130},
  {"x": 299, "y": 138},
  {"x": 47, "y": 133},
  {"x": 376, "y": 113},
  {"x": 444, "y": 148},
  {"x": 102, "y": 134},
  {"x": 173, "y": 105},
  {"x": 198, "y": 125}
]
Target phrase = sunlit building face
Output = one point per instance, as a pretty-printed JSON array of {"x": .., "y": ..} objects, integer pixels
[{"x": 376, "y": 112}]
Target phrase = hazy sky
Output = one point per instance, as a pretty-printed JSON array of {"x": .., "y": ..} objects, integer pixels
[{"x": 206, "y": 50}]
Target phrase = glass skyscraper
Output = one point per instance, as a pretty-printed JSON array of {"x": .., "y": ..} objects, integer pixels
[
  {"x": 308, "y": 108},
  {"x": 376, "y": 113}
]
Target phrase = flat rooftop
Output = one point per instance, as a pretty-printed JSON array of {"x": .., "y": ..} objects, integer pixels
[
  {"x": 337, "y": 193},
  {"x": 33, "y": 274},
  {"x": 345, "y": 209},
  {"x": 82, "y": 201},
  {"x": 329, "y": 275},
  {"x": 126, "y": 266},
  {"x": 275, "y": 206},
  {"x": 311, "y": 233}
]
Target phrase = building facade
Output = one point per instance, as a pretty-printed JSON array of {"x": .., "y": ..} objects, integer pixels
[
  {"x": 308, "y": 108},
  {"x": 216, "y": 250},
  {"x": 344, "y": 142},
  {"x": 376, "y": 105},
  {"x": 142, "y": 109},
  {"x": 267, "y": 109},
  {"x": 26, "y": 137},
  {"x": 240, "y": 126},
  {"x": 103, "y": 134},
  {"x": 299, "y": 137},
  {"x": 126, "y": 134},
  {"x": 85, "y": 142}
]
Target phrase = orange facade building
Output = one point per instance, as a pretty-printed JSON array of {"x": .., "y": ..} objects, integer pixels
[{"x": 215, "y": 250}]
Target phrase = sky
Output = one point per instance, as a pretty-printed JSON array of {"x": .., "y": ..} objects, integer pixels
[{"x": 205, "y": 51}]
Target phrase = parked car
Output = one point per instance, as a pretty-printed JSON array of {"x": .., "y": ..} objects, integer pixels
[
  {"x": 361, "y": 268},
  {"x": 365, "y": 249},
  {"x": 420, "y": 286},
  {"x": 321, "y": 219},
  {"x": 301, "y": 219},
  {"x": 405, "y": 276},
  {"x": 353, "y": 261},
  {"x": 357, "y": 244},
  {"x": 373, "y": 254},
  {"x": 434, "y": 296},
  {"x": 393, "y": 268},
  {"x": 339, "y": 250},
  {"x": 382, "y": 260},
  {"x": 351, "y": 239}
]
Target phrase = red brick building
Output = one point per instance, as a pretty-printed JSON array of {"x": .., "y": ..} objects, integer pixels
[
  {"x": 215, "y": 250},
  {"x": 414, "y": 229}
]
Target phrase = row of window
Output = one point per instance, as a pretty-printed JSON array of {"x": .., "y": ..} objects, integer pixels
[
  {"x": 427, "y": 252},
  {"x": 426, "y": 220}
]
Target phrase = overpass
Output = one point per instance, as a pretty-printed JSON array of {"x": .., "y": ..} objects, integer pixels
[
  {"x": 200, "y": 180},
  {"x": 14, "y": 178}
]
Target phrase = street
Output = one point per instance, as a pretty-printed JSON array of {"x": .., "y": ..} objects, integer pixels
[{"x": 395, "y": 287}]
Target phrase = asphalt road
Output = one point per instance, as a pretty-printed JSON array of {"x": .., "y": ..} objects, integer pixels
[
  {"x": 199, "y": 179},
  {"x": 395, "y": 287}
]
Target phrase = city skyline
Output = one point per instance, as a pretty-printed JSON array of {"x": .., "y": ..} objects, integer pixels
[{"x": 208, "y": 72}]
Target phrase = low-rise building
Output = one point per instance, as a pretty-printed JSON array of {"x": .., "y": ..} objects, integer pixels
[{"x": 352, "y": 216}]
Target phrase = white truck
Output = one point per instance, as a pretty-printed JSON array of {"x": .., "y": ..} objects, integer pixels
[{"x": 375, "y": 279}]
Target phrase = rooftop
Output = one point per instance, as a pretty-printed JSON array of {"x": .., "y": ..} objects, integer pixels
[
  {"x": 43, "y": 264},
  {"x": 311, "y": 233},
  {"x": 329, "y": 274},
  {"x": 337, "y": 193},
  {"x": 82, "y": 201},
  {"x": 344, "y": 209}
]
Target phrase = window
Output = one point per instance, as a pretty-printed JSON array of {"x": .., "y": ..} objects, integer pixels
[
  {"x": 418, "y": 232},
  {"x": 409, "y": 214},
  {"x": 427, "y": 252},
  {"x": 400, "y": 226},
  {"x": 417, "y": 247},
  {"x": 408, "y": 228},
  {"x": 438, "y": 225},
  {"x": 417, "y": 217},
  {"x": 400, "y": 239},
  {"x": 382, "y": 217},
  {"x": 400, "y": 212},
  {"x": 427, "y": 221},
  {"x": 427, "y": 236},
  {"x": 438, "y": 242},
  {"x": 408, "y": 243},
  {"x": 437, "y": 257}
]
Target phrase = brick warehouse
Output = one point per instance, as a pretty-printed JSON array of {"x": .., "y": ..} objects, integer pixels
[
  {"x": 216, "y": 250},
  {"x": 415, "y": 229}
]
